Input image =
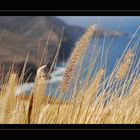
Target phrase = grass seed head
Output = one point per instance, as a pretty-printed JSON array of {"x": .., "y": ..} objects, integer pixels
[
  {"x": 75, "y": 55},
  {"x": 124, "y": 66}
]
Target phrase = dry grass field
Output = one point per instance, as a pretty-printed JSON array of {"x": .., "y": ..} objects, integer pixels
[{"x": 101, "y": 99}]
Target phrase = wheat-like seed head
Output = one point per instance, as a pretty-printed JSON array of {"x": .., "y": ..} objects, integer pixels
[
  {"x": 40, "y": 81},
  {"x": 76, "y": 53},
  {"x": 95, "y": 83},
  {"x": 97, "y": 78},
  {"x": 135, "y": 87},
  {"x": 12, "y": 81},
  {"x": 38, "y": 91},
  {"x": 9, "y": 99},
  {"x": 124, "y": 65},
  {"x": 93, "y": 87}
]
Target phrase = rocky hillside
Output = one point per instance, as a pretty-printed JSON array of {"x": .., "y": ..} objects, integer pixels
[{"x": 30, "y": 33}]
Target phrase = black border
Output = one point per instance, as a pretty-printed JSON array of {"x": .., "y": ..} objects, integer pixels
[
  {"x": 69, "y": 5},
  {"x": 69, "y": 12},
  {"x": 70, "y": 127}
]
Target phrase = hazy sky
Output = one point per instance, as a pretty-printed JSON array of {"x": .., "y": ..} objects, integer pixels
[
  {"x": 125, "y": 23},
  {"x": 86, "y": 20}
]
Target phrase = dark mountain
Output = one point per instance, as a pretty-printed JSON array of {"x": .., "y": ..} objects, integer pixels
[{"x": 30, "y": 33}]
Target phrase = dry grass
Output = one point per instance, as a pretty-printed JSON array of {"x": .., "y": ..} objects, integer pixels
[
  {"x": 124, "y": 65},
  {"x": 77, "y": 52},
  {"x": 102, "y": 100}
]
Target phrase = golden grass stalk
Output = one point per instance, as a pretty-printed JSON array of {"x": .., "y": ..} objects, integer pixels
[
  {"x": 9, "y": 100},
  {"x": 19, "y": 113},
  {"x": 95, "y": 83},
  {"x": 37, "y": 95},
  {"x": 87, "y": 97},
  {"x": 135, "y": 87},
  {"x": 124, "y": 65},
  {"x": 78, "y": 50},
  {"x": 43, "y": 114},
  {"x": 93, "y": 87}
]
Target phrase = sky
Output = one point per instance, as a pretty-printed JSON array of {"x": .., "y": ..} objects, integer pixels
[{"x": 125, "y": 23}]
